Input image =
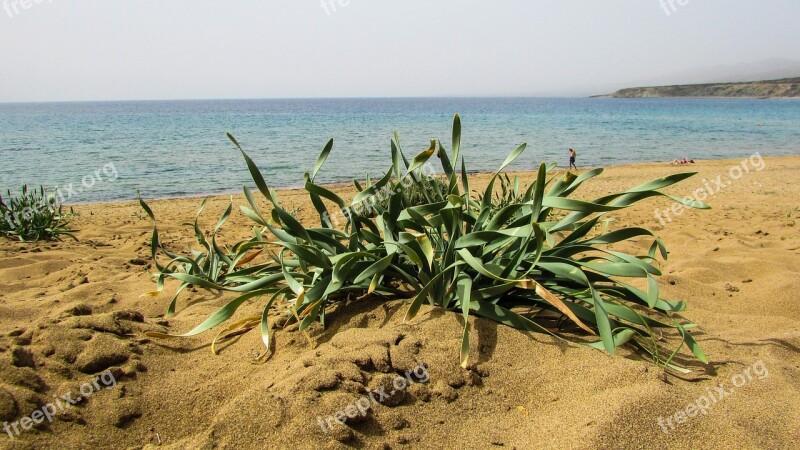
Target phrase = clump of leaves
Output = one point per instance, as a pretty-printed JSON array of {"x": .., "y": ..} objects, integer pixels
[
  {"x": 419, "y": 188},
  {"x": 417, "y": 192},
  {"x": 511, "y": 192},
  {"x": 531, "y": 260},
  {"x": 33, "y": 215}
]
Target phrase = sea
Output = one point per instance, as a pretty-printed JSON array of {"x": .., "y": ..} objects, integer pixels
[{"x": 109, "y": 151}]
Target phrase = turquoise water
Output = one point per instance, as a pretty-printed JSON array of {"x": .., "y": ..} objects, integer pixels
[{"x": 106, "y": 151}]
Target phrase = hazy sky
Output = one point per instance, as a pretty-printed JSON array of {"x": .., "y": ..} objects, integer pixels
[{"x": 175, "y": 49}]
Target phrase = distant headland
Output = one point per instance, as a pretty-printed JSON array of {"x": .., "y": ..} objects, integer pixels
[{"x": 783, "y": 88}]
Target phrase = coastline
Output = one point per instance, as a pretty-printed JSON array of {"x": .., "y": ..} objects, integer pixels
[{"x": 349, "y": 185}]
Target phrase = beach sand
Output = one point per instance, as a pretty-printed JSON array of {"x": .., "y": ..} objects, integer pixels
[{"x": 70, "y": 310}]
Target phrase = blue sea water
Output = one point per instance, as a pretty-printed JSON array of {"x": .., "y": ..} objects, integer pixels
[{"x": 108, "y": 150}]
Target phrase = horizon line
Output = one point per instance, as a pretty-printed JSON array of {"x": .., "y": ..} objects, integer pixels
[{"x": 29, "y": 102}]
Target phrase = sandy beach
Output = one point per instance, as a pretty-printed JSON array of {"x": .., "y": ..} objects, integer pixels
[{"x": 70, "y": 311}]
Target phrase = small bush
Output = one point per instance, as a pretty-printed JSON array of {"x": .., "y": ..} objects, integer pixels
[
  {"x": 521, "y": 259},
  {"x": 32, "y": 216}
]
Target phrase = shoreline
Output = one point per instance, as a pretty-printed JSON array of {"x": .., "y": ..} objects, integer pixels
[{"x": 349, "y": 185}]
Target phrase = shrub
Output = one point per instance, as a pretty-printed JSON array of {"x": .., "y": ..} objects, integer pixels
[
  {"x": 32, "y": 216},
  {"x": 515, "y": 260}
]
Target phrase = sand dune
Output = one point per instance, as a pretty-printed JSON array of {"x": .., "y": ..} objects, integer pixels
[{"x": 71, "y": 310}]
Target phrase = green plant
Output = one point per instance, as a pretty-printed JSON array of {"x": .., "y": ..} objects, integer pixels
[
  {"x": 415, "y": 190},
  {"x": 418, "y": 193},
  {"x": 32, "y": 216},
  {"x": 511, "y": 192},
  {"x": 516, "y": 259}
]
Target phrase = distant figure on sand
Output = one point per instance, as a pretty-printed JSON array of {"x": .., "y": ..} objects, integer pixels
[
  {"x": 572, "y": 156},
  {"x": 685, "y": 160}
]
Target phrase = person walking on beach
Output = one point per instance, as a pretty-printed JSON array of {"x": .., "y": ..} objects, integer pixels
[{"x": 572, "y": 156}]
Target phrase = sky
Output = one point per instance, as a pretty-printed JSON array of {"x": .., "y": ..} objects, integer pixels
[{"x": 76, "y": 50}]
